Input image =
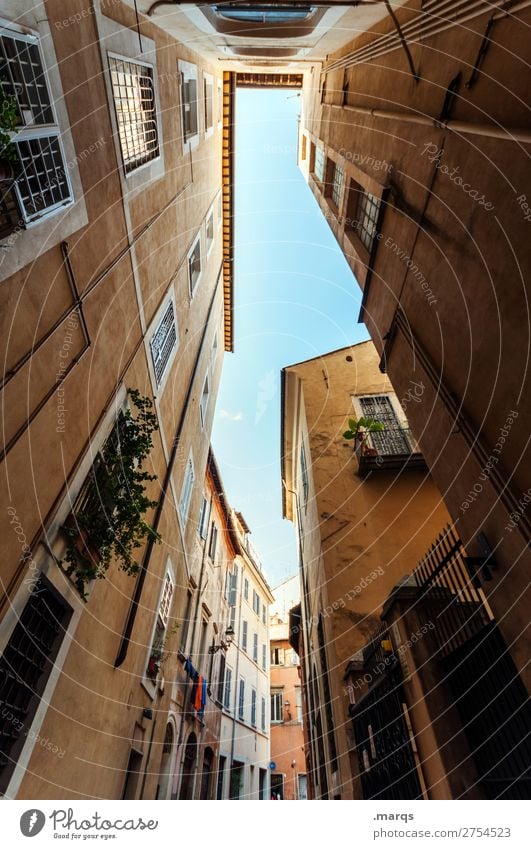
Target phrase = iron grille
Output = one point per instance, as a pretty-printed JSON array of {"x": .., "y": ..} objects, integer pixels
[
  {"x": 490, "y": 696},
  {"x": 393, "y": 439},
  {"x": 25, "y": 667},
  {"x": 363, "y": 213},
  {"x": 42, "y": 184},
  {"x": 337, "y": 183},
  {"x": 22, "y": 76},
  {"x": 134, "y": 101},
  {"x": 163, "y": 342},
  {"x": 319, "y": 166}
]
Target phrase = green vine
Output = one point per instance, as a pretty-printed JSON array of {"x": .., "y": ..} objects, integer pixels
[
  {"x": 110, "y": 523},
  {"x": 9, "y": 121}
]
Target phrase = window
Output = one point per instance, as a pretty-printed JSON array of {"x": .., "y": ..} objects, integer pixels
[
  {"x": 203, "y": 518},
  {"x": 241, "y": 699},
  {"x": 220, "y": 209},
  {"x": 277, "y": 657},
  {"x": 228, "y": 684},
  {"x": 186, "y": 491},
  {"x": 246, "y": 589},
  {"x": 189, "y": 101},
  {"x": 256, "y": 603},
  {"x": 264, "y": 656},
  {"x": 392, "y": 440},
  {"x": 264, "y": 13},
  {"x": 335, "y": 177},
  {"x": 319, "y": 164},
  {"x": 255, "y": 648},
  {"x": 298, "y": 696},
  {"x": 214, "y": 352},
  {"x": 194, "y": 265},
  {"x": 163, "y": 342},
  {"x": 209, "y": 227},
  {"x": 134, "y": 103},
  {"x": 362, "y": 213},
  {"x": 220, "y": 101},
  {"x": 25, "y": 667},
  {"x": 186, "y": 621},
  {"x": 263, "y": 613},
  {"x": 203, "y": 404},
  {"x": 277, "y": 706},
  {"x": 208, "y": 95},
  {"x": 263, "y": 714},
  {"x": 42, "y": 186},
  {"x": 304, "y": 474},
  {"x": 221, "y": 679},
  {"x": 212, "y": 546},
  {"x": 161, "y": 626},
  {"x": 244, "y": 635},
  {"x": 253, "y": 707}
]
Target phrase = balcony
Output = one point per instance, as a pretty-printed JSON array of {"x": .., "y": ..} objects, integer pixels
[{"x": 393, "y": 448}]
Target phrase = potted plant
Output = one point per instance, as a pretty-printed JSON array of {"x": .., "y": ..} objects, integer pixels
[
  {"x": 110, "y": 523},
  {"x": 9, "y": 121},
  {"x": 358, "y": 430}
]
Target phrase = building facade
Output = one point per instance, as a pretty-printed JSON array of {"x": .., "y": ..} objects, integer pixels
[
  {"x": 362, "y": 511},
  {"x": 114, "y": 291},
  {"x": 245, "y": 744},
  {"x": 409, "y": 141},
  {"x": 288, "y": 775}
]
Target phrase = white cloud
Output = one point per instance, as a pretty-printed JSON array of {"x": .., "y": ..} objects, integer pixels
[{"x": 232, "y": 417}]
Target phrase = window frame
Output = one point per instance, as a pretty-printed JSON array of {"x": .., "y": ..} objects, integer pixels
[
  {"x": 275, "y": 694},
  {"x": 192, "y": 287},
  {"x": 209, "y": 246},
  {"x": 28, "y": 132},
  {"x": 129, "y": 172},
  {"x": 241, "y": 699},
  {"x": 354, "y": 222},
  {"x": 208, "y": 80},
  {"x": 319, "y": 157},
  {"x": 189, "y": 71},
  {"x": 189, "y": 465},
  {"x": 204, "y": 401},
  {"x": 169, "y": 302}
]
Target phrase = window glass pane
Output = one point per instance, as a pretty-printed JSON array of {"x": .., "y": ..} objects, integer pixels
[{"x": 163, "y": 342}]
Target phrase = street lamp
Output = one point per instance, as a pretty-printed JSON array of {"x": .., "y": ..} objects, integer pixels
[{"x": 224, "y": 643}]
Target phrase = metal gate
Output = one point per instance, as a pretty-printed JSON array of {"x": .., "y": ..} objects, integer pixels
[
  {"x": 489, "y": 694},
  {"x": 385, "y": 755}
]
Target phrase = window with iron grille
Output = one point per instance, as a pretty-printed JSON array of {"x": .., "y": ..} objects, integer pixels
[
  {"x": 136, "y": 116},
  {"x": 194, "y": 265},
  {"x": 41, "y": 184},
  {"x": 363, "y": 211},
  {"x": 189, "y": 101},
  {"x": 25, "y": 667},
  {"x": 337, "y": 176},
  {"x": 208, "y": 95},
  {"x": 163, "y": 342},
  {"x": 319, "y": 164},
  {"x": 392, "y": 440}
]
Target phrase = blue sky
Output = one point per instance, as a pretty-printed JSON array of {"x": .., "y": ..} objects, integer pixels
[{"x": 295, "y": 298}]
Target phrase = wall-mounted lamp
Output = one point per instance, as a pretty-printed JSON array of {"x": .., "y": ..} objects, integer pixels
[{"x": 225, "y": 642}]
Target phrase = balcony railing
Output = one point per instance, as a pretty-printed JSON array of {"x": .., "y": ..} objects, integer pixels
[{"x": 391, "y": 448}]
